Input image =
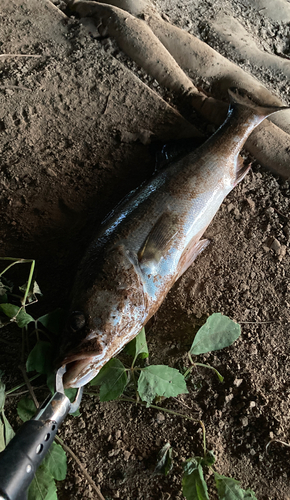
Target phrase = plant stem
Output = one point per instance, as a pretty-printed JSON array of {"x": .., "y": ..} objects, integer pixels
[
  {"x": 6, "y": 341},
  {"x": 21, "y": 261},
  {"x": 188, "y": 371},
  {"x": 28, "y": 282},
  {"x": 15, "y": 260},
  {"x": 276, "y": 441},
  {"x": 10, "y": 265},
  {"x": 203, "y": 437},
  {"x": 190, "y": 358},
  {"x": 23, "y": 384},
  {"x": 30, "y": 388},
  {"x": 220, "y": 377},
  {"x": 82, "y": 467},
  {"x": 166, "y": 410}
]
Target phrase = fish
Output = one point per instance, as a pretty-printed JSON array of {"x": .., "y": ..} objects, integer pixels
[{"x": 148, "y": 241}]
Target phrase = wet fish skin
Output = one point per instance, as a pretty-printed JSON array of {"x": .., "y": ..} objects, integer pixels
[{"x": 148, "y": 242}]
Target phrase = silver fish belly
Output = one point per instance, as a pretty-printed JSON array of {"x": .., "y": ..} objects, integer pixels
[{"x": 148, "y": 243}]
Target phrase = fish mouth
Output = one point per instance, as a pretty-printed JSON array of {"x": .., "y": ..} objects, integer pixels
[{"x": 79, "y": 370}]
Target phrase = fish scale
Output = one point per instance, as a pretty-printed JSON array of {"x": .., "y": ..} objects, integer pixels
[{"x": 148, "y": 242}]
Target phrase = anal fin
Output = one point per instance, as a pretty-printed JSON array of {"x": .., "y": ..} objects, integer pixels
[{"x": 189, "y": 255}]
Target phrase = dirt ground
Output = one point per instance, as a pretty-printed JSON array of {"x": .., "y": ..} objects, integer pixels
[{"x": 76, "y": 130}]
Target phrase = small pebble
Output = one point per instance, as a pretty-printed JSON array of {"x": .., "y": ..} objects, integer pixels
[
  {"x": 276, "y": 246},
  {"x": 245, "y": 421},
  {"x": 228, "y": 398},
  {"x": 160, "y": 417},
  {"x": 51, "y": 172},
  {"x": 251, "y": 203},
  {"x": 237, "y": 213}
]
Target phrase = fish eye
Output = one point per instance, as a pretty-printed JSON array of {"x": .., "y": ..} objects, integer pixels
[{"x": 77, "y": 321}]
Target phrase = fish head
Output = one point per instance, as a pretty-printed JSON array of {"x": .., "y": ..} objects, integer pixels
[{"x": 107, "y": 311}]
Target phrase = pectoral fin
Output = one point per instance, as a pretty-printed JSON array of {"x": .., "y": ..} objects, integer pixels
[
  {"x": 157, "y": 243},
  {"x": 189, "y": 255}
]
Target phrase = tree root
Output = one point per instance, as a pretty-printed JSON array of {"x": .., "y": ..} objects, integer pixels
[
  {"x": 230, "y": 31},
  {"x": 136, "y": 39},
  {"x": 278, "y": 11},
  {"x": 163, "y": 49}
]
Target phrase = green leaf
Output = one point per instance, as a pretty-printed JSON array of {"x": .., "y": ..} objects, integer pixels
[
  {"x": 21, "y": 316},
  {"x": 50, "y": 381},
  {"x": 6, "y": 431},
  {"x": 2, "y": 436},
  {"x": 160, "y": 380},
  {"x": 3, "y": 298},
  {"x": 26, "y": 409},
  {"x": 5, "y": 286},
  {"x": 43, "y": 486},
  {"x": 22, "y": 319},
  {"x": 138, "y": 346},
  {"x": 209, "y": 459},
  {"x": 33, "y": 290},
  {"x": 193, "y": 483},
  {"x": 9, "y": 309},
  {"x": 112, "y": 378},
  {"x": 230, "y": 489},
  {"x": 218, "y": 332},
  {"x": 55, "y": 462},
  {"x": 40, "y": 358},
  {"x": 164, "y": 464},
  {"x": 2, "y": 395},
  {"x": 54, "y": 321}
]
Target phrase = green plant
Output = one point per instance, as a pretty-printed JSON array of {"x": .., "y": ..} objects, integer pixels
[
  {"x": 153, "y": 381},
  {"x": 194, "y": 485},
  {"x": 40, "y": 360},
  {"x": 161, "y": 381},
  {"x": 150, "y": 384}
]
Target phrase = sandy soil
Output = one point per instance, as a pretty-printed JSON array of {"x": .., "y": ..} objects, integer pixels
[{"x": 76, "y": 127}]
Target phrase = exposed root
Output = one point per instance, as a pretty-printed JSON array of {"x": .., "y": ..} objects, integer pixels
[
  {"x": 232, "y": 32},
  {"x": 5, "y": 56},
  {"x": 162, "y": 50},
  {"x": 271, "y": 147},
  {"x": 136, "y": 39},
  {"x": 204, "y": 62},
  {"x": 278, "y": 11}
]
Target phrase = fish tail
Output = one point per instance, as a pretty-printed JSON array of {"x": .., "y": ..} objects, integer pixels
[
  {"x": 244, "y": 115},
  {"x": 241, "y": 101}
]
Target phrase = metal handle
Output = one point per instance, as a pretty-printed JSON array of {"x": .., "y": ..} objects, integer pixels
[{"x": 25, "y": 452}]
